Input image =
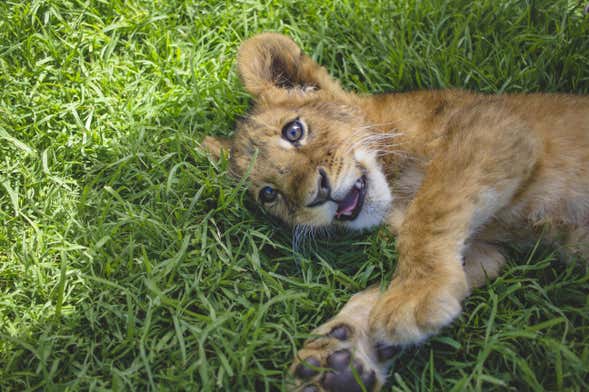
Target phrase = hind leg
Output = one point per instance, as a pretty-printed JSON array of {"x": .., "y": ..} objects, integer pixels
[
  {"x": 576, "y": 243},
  {"x": 482, "y": 262}
]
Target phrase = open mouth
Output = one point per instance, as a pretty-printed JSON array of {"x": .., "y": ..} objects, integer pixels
[{"x": 349, "y": 207}]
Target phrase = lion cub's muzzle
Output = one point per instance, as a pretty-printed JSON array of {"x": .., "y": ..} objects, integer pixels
[
  {"x": 323, "y": 190},
  {"x": 349, "y": 207}
]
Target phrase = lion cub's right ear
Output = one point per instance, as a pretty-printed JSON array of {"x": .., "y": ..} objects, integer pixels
[
  {"x": 216, "y": 145},
  {"x": 271, "y": 62}
]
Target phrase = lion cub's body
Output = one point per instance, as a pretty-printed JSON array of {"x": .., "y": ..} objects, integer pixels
[
  {"x": 555, "y": 194},
  {"x": 453, "y": 174}
]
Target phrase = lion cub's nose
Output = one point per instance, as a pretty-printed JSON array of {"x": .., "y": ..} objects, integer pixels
[{"x": 323, "y": 189}]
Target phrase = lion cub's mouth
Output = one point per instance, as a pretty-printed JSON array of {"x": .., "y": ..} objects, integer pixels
[{"x": 349, "y": 207}]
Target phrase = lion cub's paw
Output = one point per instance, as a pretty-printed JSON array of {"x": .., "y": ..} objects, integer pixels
[{"x": 342, "y": 359}]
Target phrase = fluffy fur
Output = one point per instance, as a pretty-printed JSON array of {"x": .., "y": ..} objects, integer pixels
[{"x": 454, "y": 174}]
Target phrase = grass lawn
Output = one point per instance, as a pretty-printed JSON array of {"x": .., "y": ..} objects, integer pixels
[{"x": 130, "y": 261}]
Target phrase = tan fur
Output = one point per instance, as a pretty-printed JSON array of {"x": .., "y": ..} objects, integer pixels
[{"x": 454, "y": 174}]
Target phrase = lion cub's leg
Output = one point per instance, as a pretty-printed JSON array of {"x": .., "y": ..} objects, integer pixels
[
  {"x": 344, "y": 342},
  {"x": 346, "y": 338},
  {"x": 475, "y": 175},
  {"x": 342, "y": 347},
  {"x": 431, "y": 281},
  {"x": 576, "y": 243},
  {"x": 482, "y": 262}
]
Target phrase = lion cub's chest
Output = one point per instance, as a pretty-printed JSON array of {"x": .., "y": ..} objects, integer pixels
[{"x": 404, "y": 185}]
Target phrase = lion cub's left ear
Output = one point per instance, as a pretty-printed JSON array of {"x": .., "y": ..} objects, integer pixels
[
  {"x": 270, "y": 63},
  {"x": 216, "y": 145}
]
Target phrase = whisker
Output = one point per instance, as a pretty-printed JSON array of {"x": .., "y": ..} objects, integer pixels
[{"x": 369, "y": 138}]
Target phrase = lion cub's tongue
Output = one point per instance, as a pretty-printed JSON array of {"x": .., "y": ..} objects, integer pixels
[{"x": 347, "y": 205}]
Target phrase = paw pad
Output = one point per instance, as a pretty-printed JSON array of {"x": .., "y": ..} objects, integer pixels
[
  {"x": 347, "y": 374},
  {"x": 306, "y": 368},
  {"x": 339, "y": 360},
  {"x": 385, "y": 351},
  {"x": 341, "y": 332}
]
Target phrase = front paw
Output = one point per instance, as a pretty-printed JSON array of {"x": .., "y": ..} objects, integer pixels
[
  {"x": 342, "y": 359},
  {"x": 409, "y": 312}
]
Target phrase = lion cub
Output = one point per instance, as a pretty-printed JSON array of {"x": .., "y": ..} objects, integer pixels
[{"x": 452, "y": 173}]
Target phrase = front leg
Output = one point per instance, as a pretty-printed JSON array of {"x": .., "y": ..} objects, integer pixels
[
  {"x": 476, "y": 173},
  {"x": 344, "y": 343}
]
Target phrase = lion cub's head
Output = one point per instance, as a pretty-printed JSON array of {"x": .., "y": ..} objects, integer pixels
[{"x": 306, "y": 140}]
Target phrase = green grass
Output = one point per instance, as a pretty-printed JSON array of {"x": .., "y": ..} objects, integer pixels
[{"x": 129, "y": 261}]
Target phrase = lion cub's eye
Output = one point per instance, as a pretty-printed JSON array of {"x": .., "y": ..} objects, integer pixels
[
  {"x": 268, "y": 194},
  {"x": 293, "y": 131}
]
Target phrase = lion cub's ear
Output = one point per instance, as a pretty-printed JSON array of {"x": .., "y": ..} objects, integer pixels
[
  {"x": 271, "y": 61},
  {"x": 216, "y": 145}
]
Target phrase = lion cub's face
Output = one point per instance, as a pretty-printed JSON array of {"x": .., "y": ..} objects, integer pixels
[{"x": 303, "y": 142}]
